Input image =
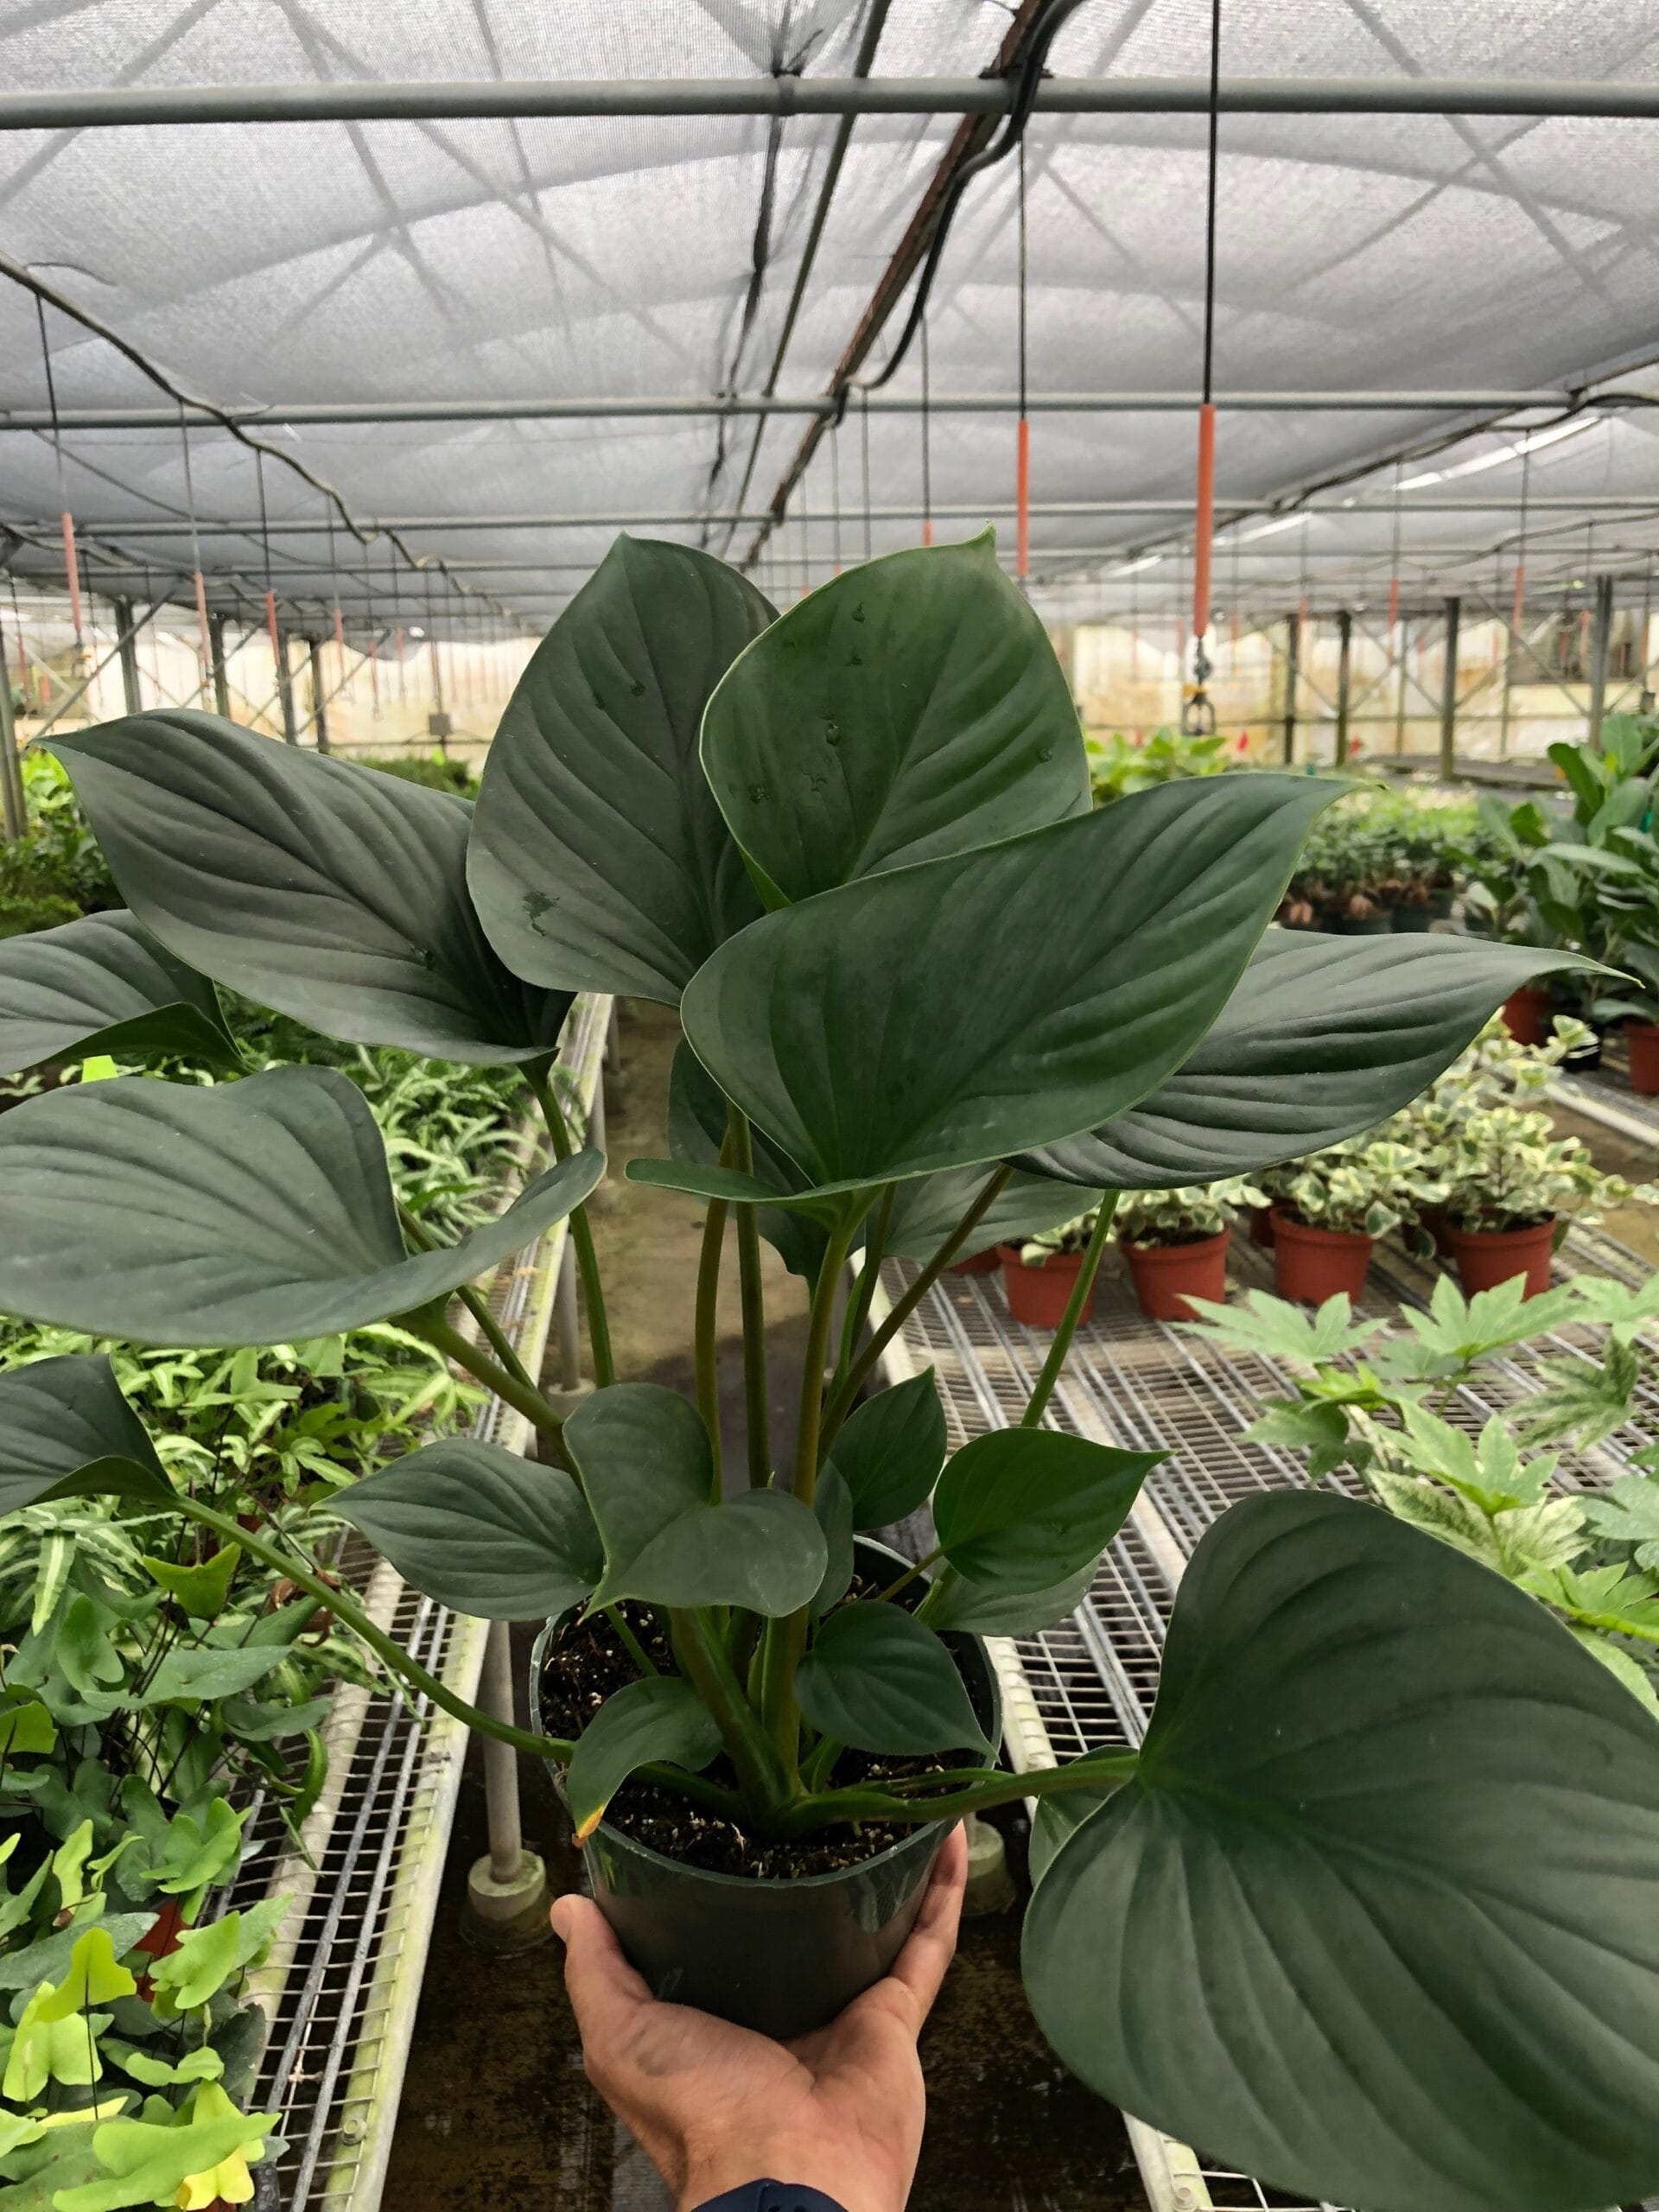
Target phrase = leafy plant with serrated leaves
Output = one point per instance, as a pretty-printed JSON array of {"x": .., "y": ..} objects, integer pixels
[{"x": 927, "y": 988}]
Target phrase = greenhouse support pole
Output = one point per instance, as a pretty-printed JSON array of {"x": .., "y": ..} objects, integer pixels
[
  {"x": 319, "y": 697},
  {"x": 128, "y": 646},
  {"x": 1601, "y": 638},
  {"x": 11, "y": 768},
  {"x": 221, "y": 678},
  {"x": 285, "y": 683},
  {"x": 1292, "y": 652},
  {"x": 1402, "y": 637},
  {"x": 1449, "y": 694},
  {"x": 1345, "y": 665}
]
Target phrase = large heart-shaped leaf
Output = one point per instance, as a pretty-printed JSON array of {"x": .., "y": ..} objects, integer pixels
[
  {"x": 909, "y": 708},
  {"x": 660, "y": 1717},
  {"x": 255, "y": 1213},
  {"x": 1375, "y": 1918},
  {"x": 877, "y": 1679},
  {"x": 645, "y": 1464},
  {"x": 993, "y": 1610},
  {"x": 890, "y": 1450},
  {"x": 984, "y": 1004},
  {"x": 697, "y": 1119},
  {"x": 480, "y": 1529},
  {"x": 1324, "y": 1037},
  {"x": 317, "y": 886},
  {"x": 1023, "y": 1508},
  {"x": 66, "y": 1431},
  {"x": 102, "y": 984},
  {"x": 599, "y": 859}
]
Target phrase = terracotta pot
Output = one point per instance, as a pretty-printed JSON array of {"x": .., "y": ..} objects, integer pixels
[
  {"x": 1312, "y": 1264},
  {"x": 1642, "y": 1038},
  {"x": 976, "y": 1263},
  {"x": 1166, "y": 1275},
  {"x": 1434, "y": 1219},
  {"x": 1486, "y": 1257},
  {"x": 1527, "y": 1015},
  {"x": 1037, "y": 1296},
  {"x": 1261, "y": 1227}
]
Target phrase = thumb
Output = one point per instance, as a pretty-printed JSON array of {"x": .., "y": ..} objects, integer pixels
[{"x": 603, "y": 1988}]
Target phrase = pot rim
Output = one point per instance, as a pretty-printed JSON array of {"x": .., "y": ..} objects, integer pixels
[
  {"x": 1283, "y": 1221},
  {"x": 1050, "y": 1263},
  {"x": 1530, "y": 1228},
  {"x": 937, "y": 1830}
]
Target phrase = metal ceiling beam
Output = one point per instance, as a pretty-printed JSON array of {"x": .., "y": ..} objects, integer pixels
[
  {"x": 115, "y": 107},
  {"x": 309, "y": 412},
  {"x": 647, "y": 518}
]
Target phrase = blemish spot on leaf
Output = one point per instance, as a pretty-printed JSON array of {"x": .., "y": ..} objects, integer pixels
[
  {"x": 858, "y": 611},
  {"x": 832, "y": 732},
  {"x": 854, "y": 660},
  {"x": 1045, "y": 752},
  {"x": 536, "y": 905},
  {"x": 757, "y": 793},
  {"x": 638, "y": 688}
]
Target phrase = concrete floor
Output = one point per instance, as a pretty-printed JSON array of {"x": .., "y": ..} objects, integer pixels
[{"x": 497, "y": 2115}]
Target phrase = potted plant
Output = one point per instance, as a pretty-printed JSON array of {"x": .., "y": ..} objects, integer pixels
[
  {"x": 1040, "y": 1273},
  {"x": 1629, "y": 941},
  {"x": 1511, "y": 1188},
  {"x": 1175, "y": 1242},
  {"x": 853, "y": 844},
  {"x": 1330, "y": 1208}
]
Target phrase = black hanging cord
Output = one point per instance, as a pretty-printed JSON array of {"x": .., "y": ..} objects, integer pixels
[
  {"x": 835, "y": 495},
  {"x": 264, "y": 519},
  {"x": 51, "y": 398},
  {"x": 1197, "y": 712},
  {"x": 1022, "y": 280},
  {"x": 927, "y": 454},
  {"x": 1048, "y": 26},
  {"x": 1210, "y": 210},
  {"x": 864, "y": 445}
]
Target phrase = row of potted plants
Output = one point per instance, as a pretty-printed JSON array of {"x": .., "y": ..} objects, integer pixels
[
  {"x": 1581, "y": 877},
  {"x": 1468, "y": 1171},
  {"x": 1390, "y": 857}
]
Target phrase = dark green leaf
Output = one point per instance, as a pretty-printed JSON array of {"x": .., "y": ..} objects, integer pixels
[
  {"x": 909, "y": 708},
  {"x": 201, "y": 1672},
  {"x": 317, "y": 886},
  {"x": 599, "y": 859},
  {"x": 832, "y": 1508},
  {"x": 1374, "y": 1921},
  {"x": 480, "y": 1529},
  {"x": 926, "y": 1211},
  {"x": 658, "y": 1718},
  {"x": 877, "y": 1679},
  {"x": 1057, "y": 1812},
  {"x": 1323, "y": 1038},
  {"x": 251, "y": 1213},
  {"x": 66, "y": 1431},
  {"x": 890, "y": 1451},
  {"x": 646, "y": 1466},
  {"x": 1023, "y": 1508},
  {"x": 995, "y": 1001},
  {"x": 696, "y": 1130},
  {"x": 102, "y": 984},
  {"x": 996, "y": 1611}
]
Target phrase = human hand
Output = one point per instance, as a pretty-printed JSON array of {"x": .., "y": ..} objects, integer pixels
[{"x": 714, "y": 2106}]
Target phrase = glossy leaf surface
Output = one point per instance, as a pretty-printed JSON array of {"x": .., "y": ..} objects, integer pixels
[
  {"x": 482, "y": 1531},
  {"x": 697, "y": 1115},
  {"x": 991, "y": 1609},
  {"x": 659, "y": 1716},
  {"x": 645, "y": 1464},
  {"x": 253, "y": 1213},
  {"x": 1324, "y": 1038},
  {"x": 1023, "y": 1508},
  {"x": 319, "y": 887},
  {"x": 877, "y": 1679},
  {"x": 102, "y": 984},
  {"x": 979, "y": 1006},
  {"x": 890, "y": 1450},
  {"x": 66, "y": 1431},
  {"x": 1375, "y": 1918},
  {"x": 909, "y": 708},
  {"x": 600, "y": 861}
]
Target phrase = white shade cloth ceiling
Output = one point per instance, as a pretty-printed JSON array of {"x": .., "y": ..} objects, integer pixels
[{"x": 326, "y": 262}]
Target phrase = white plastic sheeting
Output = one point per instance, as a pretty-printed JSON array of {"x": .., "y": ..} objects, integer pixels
[{"x": 273, "y": 265}]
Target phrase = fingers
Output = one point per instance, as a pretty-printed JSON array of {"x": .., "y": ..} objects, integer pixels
[
  {"x": 605, "y": 1991},
  {"x": 920, "y": 1966}
]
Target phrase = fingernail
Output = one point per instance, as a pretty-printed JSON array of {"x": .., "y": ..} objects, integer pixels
[{"x": 559, "y": 1918}]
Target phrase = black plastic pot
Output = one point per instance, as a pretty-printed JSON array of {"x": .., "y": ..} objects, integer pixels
[{"x": 781, "y": 1955}]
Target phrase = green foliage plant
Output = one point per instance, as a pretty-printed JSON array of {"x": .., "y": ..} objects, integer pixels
[
  {"x": 854, "y": 844},
  {"x": 1119, "y": 765},
  {"x": 1180, "y": 1215}
]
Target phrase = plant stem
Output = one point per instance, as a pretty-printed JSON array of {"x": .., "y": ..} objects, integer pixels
[
  {"x": 705, "y": 1358},
  {"x": 757, "y": 1418},
  {"x": 525, "y": 1398},
  {"x": 765, "y": 1787},
  {"x": 582, "y": 1234},
  {"x": 982, "y": 1788},
  {"x": 841, "y": 1403},
  {"x": 1037, "y": 1404},
  {"x": 476, "y": 1305},
  {"x": 908, "y": 1576},
  {"x": 858, "y": 1306},
  {"x": 630, "y": 1641}
]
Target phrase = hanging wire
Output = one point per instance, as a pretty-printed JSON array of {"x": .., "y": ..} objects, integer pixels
[
  {"x": 835, "y": 494},
  {"x": 1644, "y": 704},
  {"x": 864, "y": 447},
  {"x": 1198, "y": 710},
  {"x": 264, "y": 545},
  {"x": 374, "y": 635},
  {"x": 1518, "y": 612},
  {"x": 927, "y": 448},
  {"x": 1394, "y": 559},
  {"x": 1022, "y": 446},
  {"x": 71, "y": 558},
  {"x": 204, "y": 636}
]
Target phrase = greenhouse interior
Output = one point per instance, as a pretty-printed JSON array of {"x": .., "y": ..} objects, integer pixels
[{"x": 829, "y": 984}]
